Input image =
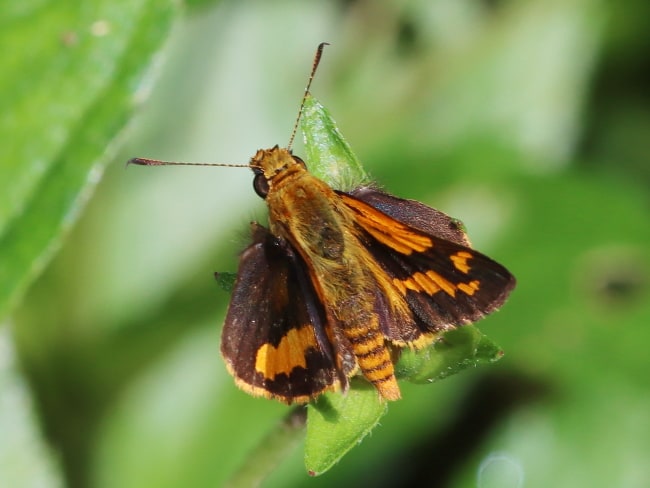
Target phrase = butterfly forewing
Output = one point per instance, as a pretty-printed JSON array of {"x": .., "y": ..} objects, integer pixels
[
  {"x": 444, "y": 282},
  {"x": 274, "y": 339}
]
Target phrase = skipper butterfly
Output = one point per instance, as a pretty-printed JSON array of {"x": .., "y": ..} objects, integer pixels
[{"x": 339, "y": 280}]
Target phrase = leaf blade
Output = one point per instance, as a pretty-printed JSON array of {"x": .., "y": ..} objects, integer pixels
[{"x": 74, "y": 92}]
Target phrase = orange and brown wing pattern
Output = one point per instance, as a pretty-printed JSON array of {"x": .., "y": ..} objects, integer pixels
[
  {"x": 444, "y": 282},
  {"x": 274, "y": 340}
]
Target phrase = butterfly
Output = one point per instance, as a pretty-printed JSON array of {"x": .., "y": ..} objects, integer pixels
[{"x": 340, "y": 280}]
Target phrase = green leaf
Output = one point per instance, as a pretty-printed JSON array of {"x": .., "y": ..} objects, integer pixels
[
  {"x": 337, "y": 422},
  {"x": 457, "y": 350},
  {"x": 69, "y": 81},
  {"x": 328, "y": 155},
  {"x": 225, "y": 280}
]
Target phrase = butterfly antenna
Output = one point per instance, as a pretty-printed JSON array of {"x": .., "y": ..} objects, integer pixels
[
  {"x": 319, "y": 53},
  {"x": 156, "y": 162}
]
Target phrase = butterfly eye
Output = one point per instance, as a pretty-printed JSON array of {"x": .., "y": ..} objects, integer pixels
[
  {"x": 299, "y": 161},
  {"x": 261, "y": 185}
]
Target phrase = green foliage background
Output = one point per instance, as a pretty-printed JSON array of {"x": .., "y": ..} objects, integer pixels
[{"x": 527, "y": 120}]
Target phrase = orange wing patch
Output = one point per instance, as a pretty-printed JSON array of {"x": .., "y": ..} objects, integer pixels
[
  {"x": 469, "y": 288},
  {"x": 431, "y": 282},
  {"x": 390, "y": 232},
  {"x": 460, "y": 261},
  {"x": 290, "y": 353}
]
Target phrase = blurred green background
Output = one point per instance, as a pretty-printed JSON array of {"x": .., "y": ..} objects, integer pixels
[{"x": 530, "y": 121}]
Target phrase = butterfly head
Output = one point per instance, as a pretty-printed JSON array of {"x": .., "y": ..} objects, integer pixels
[{"x": 271, "y": 166}]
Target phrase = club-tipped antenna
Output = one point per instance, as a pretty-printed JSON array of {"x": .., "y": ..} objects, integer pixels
[
  {"x": 319, "y": 53},
  {"x": 156, "y": 162}
]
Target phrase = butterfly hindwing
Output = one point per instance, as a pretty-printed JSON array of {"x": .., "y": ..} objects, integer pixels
[{"x": 274, "y": 338}]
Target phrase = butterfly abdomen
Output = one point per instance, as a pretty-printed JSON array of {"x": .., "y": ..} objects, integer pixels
[{"x": 372, "y": 355}]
